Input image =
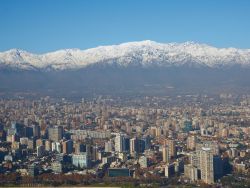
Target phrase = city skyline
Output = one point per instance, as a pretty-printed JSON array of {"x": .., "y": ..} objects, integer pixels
[{"x": 135, "y": 93}]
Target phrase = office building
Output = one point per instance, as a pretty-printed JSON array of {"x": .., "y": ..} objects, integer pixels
[
  {"x": 81, "y": 160},
  {"x": 56, "y": 133}
]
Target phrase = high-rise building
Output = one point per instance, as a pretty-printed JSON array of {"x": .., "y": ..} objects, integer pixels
[
  {"x": 210, "y": 166},
  {"x": 134, "y": 145},
  {"x": 40, "y": 151},
  {"x": 191, "y": 142},
  {"x": 94, "y": 153},
  {"x": 172, "y": 147},
  {"x": 48, "y": 145},
  {"x": 191, "y": 172},
  {"x": 159, "y": 131},
  {"x": 179, "y": 166},
  {"x": 153, "y": 131},
  {"x": 218, "y": 167},
  {"x": 56, "y": 133},
  {"x": 165, "y": 154},
  {"x": 169, "y": 170},
  {"x": 28, "y": 132},
  {"x": 68, "y": 147},
  {"x": 81, "y": 160},
  {"x": 89, "y": 150},
  {"x": 36, "y": 131},
  {"x": 141, "y": 145},
  {"x": 147, "y": 141},
  {"x": 207, "y": 165},
  {"x": 16, "y": 129},
  {"x": 79, "y": 147},
  {"x": 108, "y": 146},
  {"x": 121, "y": 144},
  {"x": 56, "y": 146},
  {"x": 126, "y": 144},
  {"x": 195, "y": 159}
]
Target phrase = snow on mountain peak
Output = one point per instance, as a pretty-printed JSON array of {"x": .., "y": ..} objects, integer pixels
[{"x": 145, "y": 53}]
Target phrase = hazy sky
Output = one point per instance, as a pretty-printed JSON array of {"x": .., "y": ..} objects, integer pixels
[{"x": 47, "y": 25}]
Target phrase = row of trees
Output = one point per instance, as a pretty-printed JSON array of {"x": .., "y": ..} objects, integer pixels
[{"x": 48, "y": 179}]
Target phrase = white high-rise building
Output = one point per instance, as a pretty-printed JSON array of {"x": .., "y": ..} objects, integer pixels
[
  {"x": 206, "y": 165},
  {"x": 108, "y": 146},
  {"x": 119, "y": 143},
  {"x": 56, "y": 146},
  {"x": 133, "y": 145},
  {"x": 81, "y": 160}
]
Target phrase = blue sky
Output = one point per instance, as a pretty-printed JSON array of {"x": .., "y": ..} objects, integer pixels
[{"x": 47, "y": 25}]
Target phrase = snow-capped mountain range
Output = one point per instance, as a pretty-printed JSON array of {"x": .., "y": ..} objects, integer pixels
[{"x": 144, "y": 53}]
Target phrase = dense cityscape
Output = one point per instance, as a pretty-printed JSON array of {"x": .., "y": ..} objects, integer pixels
[
  {"x": 191, "y": 140},
  {"x": 125, "y": 94}
]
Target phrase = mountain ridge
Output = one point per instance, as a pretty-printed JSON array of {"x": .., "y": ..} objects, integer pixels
[{"x": 143, "y": 53}]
